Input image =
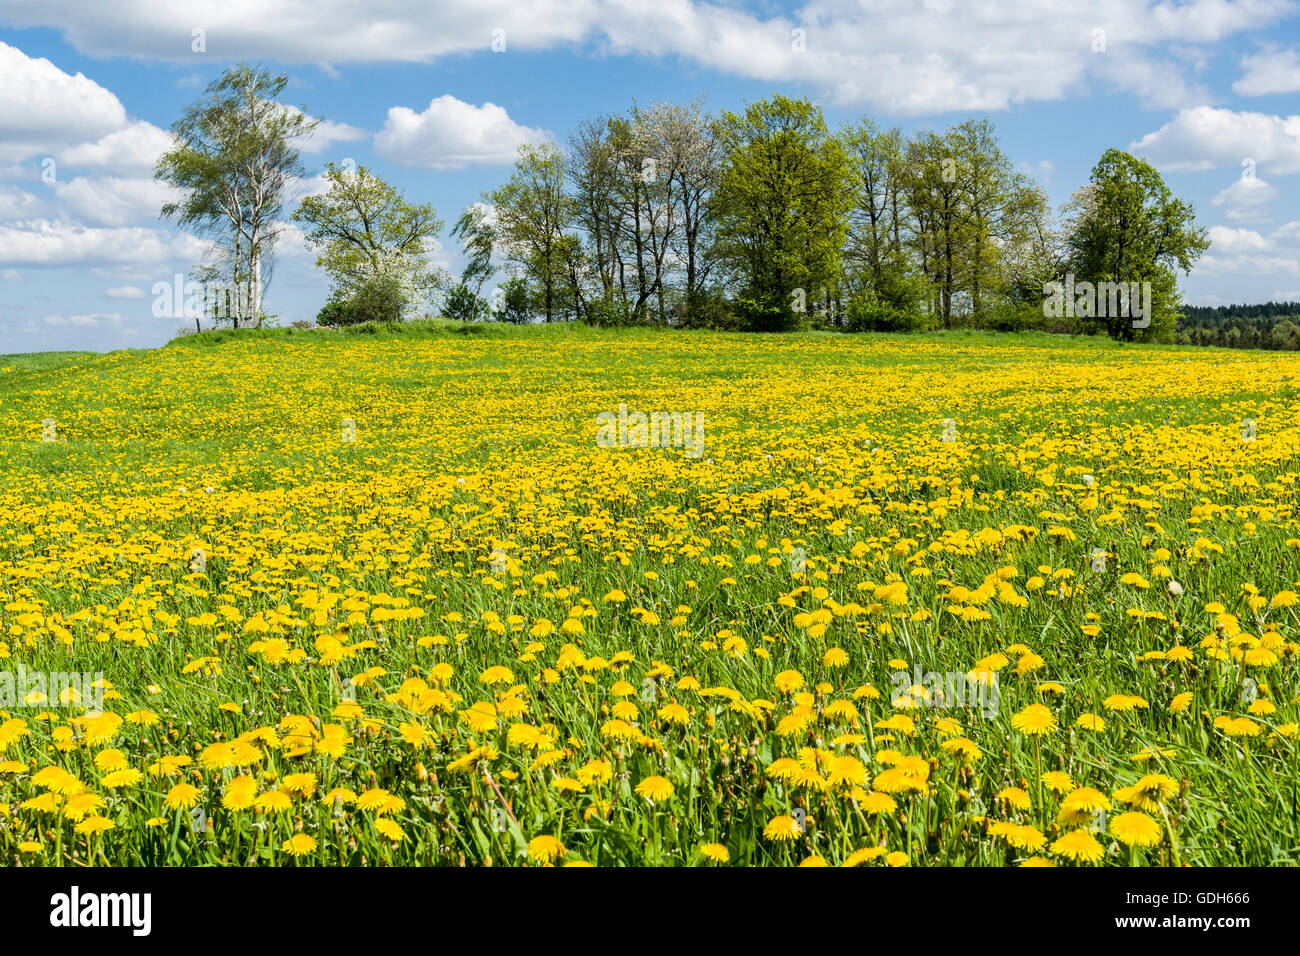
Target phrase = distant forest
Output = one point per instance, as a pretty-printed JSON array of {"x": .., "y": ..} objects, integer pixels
[{"x": 1272, "y": 325}]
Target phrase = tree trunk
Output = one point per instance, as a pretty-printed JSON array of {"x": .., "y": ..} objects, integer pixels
[{"x": 255, "y": 290}]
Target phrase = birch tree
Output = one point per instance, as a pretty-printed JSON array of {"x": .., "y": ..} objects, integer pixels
[{"x": 236, "y": 153}]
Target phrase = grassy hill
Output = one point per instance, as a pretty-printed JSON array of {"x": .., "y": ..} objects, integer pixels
[{"x": 361, "y": 598}]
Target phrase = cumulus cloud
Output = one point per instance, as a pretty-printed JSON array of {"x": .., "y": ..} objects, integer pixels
[
  {"x": 1248, "y": 199},
  {"x": 1273, "y": 71},
  {"x": 924, "y": 56},
  {"x": 16, "y": 203},
  {"x": 1227, "y": 240},
  {"x": 133, "y": 150},
  {"x": 92, "y": 321},
  {"x": 1239, "y": 251},
  {"x": 1207, "y": 137},
  {"x": 452, "y": 134},
  {"x": 326, "y": 134},
  {"x": 42, "y": 242},
  {"x": 125, "y": 292},
  {"x": 1158, "y": 84},
  {"x": 115, "y": 201},
  {"x": 291, "y": 241},
  {"x": 42, "y": 107}
]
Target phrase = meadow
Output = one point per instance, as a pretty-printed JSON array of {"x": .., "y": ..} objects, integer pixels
[{"x": 931, "y": 600}]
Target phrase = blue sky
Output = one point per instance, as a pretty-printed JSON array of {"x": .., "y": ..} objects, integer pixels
[{"x": 415, "y": 91}]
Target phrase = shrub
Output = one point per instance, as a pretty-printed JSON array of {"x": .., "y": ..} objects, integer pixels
[
  {"x": 866, "y": 313},
  {"x": 766, "y": 315},
  {"x": 463, "y": 305},
  {"x": 1006, "y": 316},
  {"x": 606, "y": 312},
  {"x": 710, "y": 310},
  {"x": 513, "y": 301},
  {"x": 377, "y": 299}
]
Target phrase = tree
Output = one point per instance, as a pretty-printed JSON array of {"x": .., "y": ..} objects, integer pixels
[
  {"x": 235, "y": 154},
  {"x": 592, "y": 166},
  {"x": 935, "y": 197},
  {"x": 513, "y": 301},
  {"x": 639, "y": 185},
  {"x": 782, "y": 202},
  {"x": 1128, "y": 227},
  {"x": 533, "y": 215},
  {"x": 885, "y": 291},
  {"x": 462, "y": 303},
  {"x": 693, "y": 157},
  {"x": 364, "y": 229},
  {"x": 478, "y": 239},
  {"x": 1003, "y": 209}
]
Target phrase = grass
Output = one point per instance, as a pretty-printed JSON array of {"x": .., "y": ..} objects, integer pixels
[{"x": 384, "y": 599}]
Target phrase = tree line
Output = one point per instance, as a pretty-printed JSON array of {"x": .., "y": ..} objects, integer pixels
[
  {"x": 761, "y": 219},
  {"x": 1269, "y": 325}
]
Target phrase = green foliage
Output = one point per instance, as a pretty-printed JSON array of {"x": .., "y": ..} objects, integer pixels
[
  {"x": 463, "y": 304},
  {"x": 710, "y": 309},
  {"x": 866, "y": 313},
  {"x": 380, "y": 298},
  {"x": 770, "y": 314},
  {"x": 607, "y": 312},
  {"x": 781, "y": 205},
  {"x": 533, "y": 214},
  {"x": 1269, "y": 325},
  {"x": 1130, "y": 228},
  {"x": 514, "y": 301},
  {"x": 234, "y": 157},
  {"x": 363, "y": 228},
  {"x": 1008, "y": 315}
]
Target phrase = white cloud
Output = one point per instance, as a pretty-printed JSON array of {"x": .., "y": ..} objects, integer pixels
[
  {"x": 919, "y": 57},
  {"x": 291, "y": 241},
  {"x": 74, "y": 125},
  {"x": 42, "y": 242},
  {"x": 125, "y": 292},
  {"x": 322, "y": 32},
  {"x": 42, "y": 108},
  {"x": 1247, "y": 200},
  {"x": 114, "y": 201},
  {"x": 326, "y": 134},
  {"x": 16, "y": 203},
  {"x": 1267, "y": 266},
  {"x": 1157, "y": 84},
  {"x": 1237, "y": 252},
  {"x": 435, "y": 254},
  {"x": 1207, "y": 137},
  {"x": 92, "y": 321},
  {"x": 297, "y": 189},
  {"x": 452, "y": 134},
  {"x": 1225, "y": 239},
  {"x": 133, "y": 150},
  {"x": 1273, "y": 71},
  {"x": 11, "y": 275}
]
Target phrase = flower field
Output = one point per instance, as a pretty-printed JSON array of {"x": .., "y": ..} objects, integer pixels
[{"x": 926, "y": 601}]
